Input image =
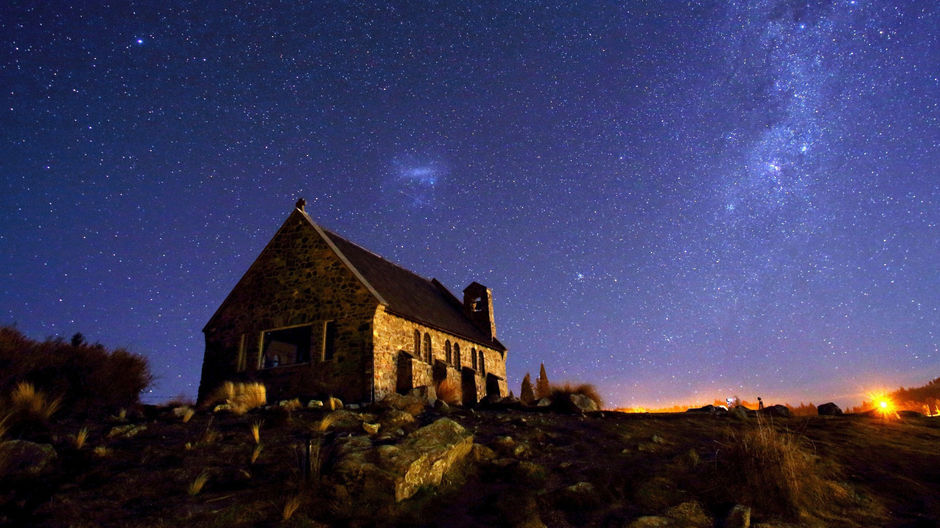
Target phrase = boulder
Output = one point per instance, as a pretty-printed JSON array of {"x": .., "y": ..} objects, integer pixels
[
  {"x": 544, "y": 402},
  {"x": 22, "y": 458},
  {"x": 580, "y": 497},
  {"x": 393, "y": 419},
  {"x": 411, "y": 404},
  {"x": 780, "y": 411},
  {"x": 690, "y": 515},
  {"x": 422, "y": 459},
  {"x": 126, "y": 431},
  {"x": 829, "y": 409},
  {"x": 314, "y": 404},
  {"x": 582, "y": 403}
]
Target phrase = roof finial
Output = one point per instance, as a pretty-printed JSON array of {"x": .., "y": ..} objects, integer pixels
[{"x": 301, "y": 203}]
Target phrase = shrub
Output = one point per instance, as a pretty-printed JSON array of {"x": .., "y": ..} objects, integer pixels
[
  {"x": 89, "y": 378},
  {"x": 197, "y": 484},
  {"x": 291, "y": 506},
  {"x": 448, "y": 391},
  {"x": 241, "y": 397},
  {"x": 256, "y": 431},
  {"x": 770, "y": 470}
]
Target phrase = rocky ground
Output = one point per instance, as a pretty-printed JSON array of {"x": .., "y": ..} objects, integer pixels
[{"x": 402, "y": 463}]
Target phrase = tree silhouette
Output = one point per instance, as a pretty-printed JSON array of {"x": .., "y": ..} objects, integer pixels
[
  {"x": 542, "y": 388},
  {"x": 525, "y": 394}
]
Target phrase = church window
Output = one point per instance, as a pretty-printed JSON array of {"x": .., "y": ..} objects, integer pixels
[
  {"x": 457, "y": 355},
  {"x": 286, "y": 346},
  {"x": 417, "y": 343},
  {"x": 480, "y": 362},
  {"x": 427, "y": 348},
  {"x": 448, "y": 354}
]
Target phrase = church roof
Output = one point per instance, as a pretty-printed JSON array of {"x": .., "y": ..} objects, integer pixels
[{"x": 407, "y": 294}]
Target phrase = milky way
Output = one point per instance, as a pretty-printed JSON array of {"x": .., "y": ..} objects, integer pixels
[{"x": 675, "y": 201}]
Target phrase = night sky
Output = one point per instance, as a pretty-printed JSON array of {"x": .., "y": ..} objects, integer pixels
[{"x": 675, "y": 201}]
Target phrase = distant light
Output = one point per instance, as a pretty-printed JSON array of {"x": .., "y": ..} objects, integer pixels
[{"x": 140, "y": 41}]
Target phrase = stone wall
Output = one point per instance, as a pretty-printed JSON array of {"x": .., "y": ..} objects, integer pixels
[
  {"x": 296, "y": 280},
  {"x": 392, "y": 334}
]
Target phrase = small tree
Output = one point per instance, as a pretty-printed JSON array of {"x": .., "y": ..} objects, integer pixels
[
  {"x": 542, "y": 387},
  {"x": 525, "y": 394}
]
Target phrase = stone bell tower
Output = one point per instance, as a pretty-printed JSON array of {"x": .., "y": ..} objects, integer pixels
[{"x": 478, "y": 305}]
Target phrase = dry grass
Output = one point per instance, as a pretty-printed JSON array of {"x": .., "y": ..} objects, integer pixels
[
  {"x": 291, "y": 506},
  {"x": 772, "y": 471},
  {"x": 188, "y": 414},
  {"x": 197, "y": 484},
  {"x": 30, "y": 403},
  {"x": 448, "y": 391},
  {"x": 255, "y": 453},
  {"x": 102, "y": 451},
  {"x": 241, "y": 397},
  {"x": 255, "y": 428},
  {"x": 80, "y": 438}
]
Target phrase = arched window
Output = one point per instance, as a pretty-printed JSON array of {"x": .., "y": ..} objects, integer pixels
[
  {"x": 447, "y": 353},
  {"x": 457, "y": 355},
  {"x": 427, "y": 348},
  {"x": 473, "y": 358},
  {"x": 417, "y": 344},
  {"x": 480, "y": 362}
]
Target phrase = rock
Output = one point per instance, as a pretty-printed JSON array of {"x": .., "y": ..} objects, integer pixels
[
  {"x": 334, "y": 403},
  {"x": 314, "y": 404},
  {"x": 353, "y": 406},
  {"x": 579, "y": 497},
  {"x": 222, "y": 407},
  {"x": 504, "y": 444},
  {"x": 739, "y": 517},
  {"x": 422, "y": 459},
  {"x": 583, "y": 403},
  {"x": 829, "y": 409},
  {"x": 707, "y": 409},
  {"x": 544, "y": 402},
  {"x": 344, "y": 420},
  {"x": 689, "y": 515},
  {"x": 656, "y": 439},
  {"x": 657, "y": 494},
  {"x": 393, "y": 419},
  {"x": 652, "y": 521},
  {"x": 23, "y": 458},
  {"x": 370, "y": 428},
  {"x": 181, "y": 411},
  {"x": 481, "y": 453},
  {"x": 780, "y": 411},
  {"x": 411, "y": 404},
  {"x": 441, "y": 406},
  {"x": 529, "y": 474},
  {"x": 126, "y": 431},
  {"x": 910, "y": 414}
]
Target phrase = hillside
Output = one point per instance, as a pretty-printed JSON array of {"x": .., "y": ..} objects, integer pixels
[{"x": 499, "y": 467}]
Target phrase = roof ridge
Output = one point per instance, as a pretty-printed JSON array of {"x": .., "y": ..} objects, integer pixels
[{"x": 374, "y": 254}]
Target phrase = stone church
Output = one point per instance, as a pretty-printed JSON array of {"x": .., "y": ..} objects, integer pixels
[{"x": 318, "y": 315}]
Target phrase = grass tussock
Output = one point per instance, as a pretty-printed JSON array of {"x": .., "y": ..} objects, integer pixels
[
  {"x": 448, "y": 391},
  {"x": 772, "y": 471},
  {"x": 80, "y": 438},
  {"x": 240, "y": 397},
  {"x": 585, "y": 389},
  {"x": 255, "y": 428},
  {"x": 291, "y": 507},
  {"x": 28, "y": 402},
  {"x": 255, "y": 453},
  {"x": 195, "y": 487}
]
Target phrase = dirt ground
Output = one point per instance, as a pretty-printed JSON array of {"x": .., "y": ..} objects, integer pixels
[{"x": 531, "y": 472}]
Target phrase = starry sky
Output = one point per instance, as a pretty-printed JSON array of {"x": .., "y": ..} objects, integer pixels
[{"x": 675, "y": 201}]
